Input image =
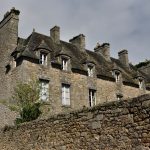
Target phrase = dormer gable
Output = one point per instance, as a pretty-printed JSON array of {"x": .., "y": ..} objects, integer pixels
[
  {"x": 141, "y": 81},
  {"x": 43, "y": 45},
  {"x": 116, "y": 72},
  {"x": 43, "y": 53},
  {"x": 90, "y": 68}
]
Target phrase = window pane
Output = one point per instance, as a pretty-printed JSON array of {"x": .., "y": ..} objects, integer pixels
[
  {"x": 92, "y": 97},
  {"x": 65, "y": 94},
  {"x": 43, "y": 58},
  {"x": 44, "y": 91},
  {"x": 64, "y": 64}
]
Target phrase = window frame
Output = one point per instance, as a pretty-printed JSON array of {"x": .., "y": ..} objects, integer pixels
[
  {"x": 65, "y": 99},
  {"x": 90, "y": 69},
  {"x": 117, "y": 75},
  {"x": 44, "y": 90},
  {"x": 92, "y": 97},
  {"x": 64, "y": 64},
  {"x": 45, "y": 61},
  {"x": 141, "y": 83}
]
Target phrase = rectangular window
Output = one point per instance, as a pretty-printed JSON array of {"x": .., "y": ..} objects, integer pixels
[
  {"x": 43, "y": 58},
  {"x": 66, "y": 94},
  {"x": 140, "y": 84},
  {"x": 117, "y": 77},
  {"x": 44, "y": 90},
  {"x": 64, "y": 64},
  {"x": 116, "y": 74},
  {"x": 90, "y": 71},
  {"x": 92, "y": 97}
]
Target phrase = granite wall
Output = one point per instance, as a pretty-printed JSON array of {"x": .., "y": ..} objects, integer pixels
[
  {"x": 105, "y": 90},
  {"x": 118, "y": 125}
]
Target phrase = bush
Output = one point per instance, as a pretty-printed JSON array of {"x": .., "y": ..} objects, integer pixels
[
  {"x": 29, "y": 112},
  {"x": 27, "y": 97},
  {"x": 27, "y": 93}
]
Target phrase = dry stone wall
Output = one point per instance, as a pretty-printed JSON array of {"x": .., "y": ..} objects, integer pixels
[{"x": 119, "y": 125}]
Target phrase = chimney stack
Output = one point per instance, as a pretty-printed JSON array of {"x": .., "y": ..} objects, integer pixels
[
  {"x": 103, "y": 49},
  {"x": 79, "y": 41},
  {"x": 55, "y": 34},
  {"x": 123, "y": 57},
  {"x": 9, "y": 28}
]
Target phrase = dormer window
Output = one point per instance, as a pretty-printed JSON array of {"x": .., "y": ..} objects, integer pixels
[
  {"x": 90, "y": 70},
  {"x": 64, "y": 64},
  {"x": 141, "y": 83},
  {"x": 43, "y": 58},
  {"x": 117, "y": 75},
  {"x": 90, "y": 66}
]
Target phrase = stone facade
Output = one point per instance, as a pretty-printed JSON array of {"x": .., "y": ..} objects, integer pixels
[
  {"x": 119, "y": 125},
  {"x": 8, "y": 42},
  {"x": 23, "y": 60},
  {"x": 7, "y": 116}
]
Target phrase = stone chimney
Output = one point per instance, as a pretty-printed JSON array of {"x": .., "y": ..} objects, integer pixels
[
  {"x": 9, "y": 26},
  {"x": 104, "y": 50},
  {"x": 9, "y": 31},
  {"x": 123, "y": 57},
  {"x": 55, "y": 34},
  {"x": 79, "y": 41}
]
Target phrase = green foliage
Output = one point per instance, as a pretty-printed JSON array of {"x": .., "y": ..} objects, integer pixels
[
  {"x": 27, "y": 93},
  {"x": 29, "y": 112},
  {"x": 141, "y": 64},
  {"x": 27, "y": 96}
]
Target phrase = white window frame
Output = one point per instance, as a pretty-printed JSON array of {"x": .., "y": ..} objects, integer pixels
[
  {"x": 65, "y": 64},
  {"x": 43, "y": 58},
  {"x": 141, "y": 83},
  {"x": 117, "y": 77},
  {"x": 92, "y": 97},
  {"x": 90, "y": 70},
  {"x": 44, "y": 90},
  {"x": 65, "y": 94},
  {"x": 116, "y": 74}
]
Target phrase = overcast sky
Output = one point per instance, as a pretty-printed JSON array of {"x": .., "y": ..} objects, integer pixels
[{"x": 125, "y": 24}]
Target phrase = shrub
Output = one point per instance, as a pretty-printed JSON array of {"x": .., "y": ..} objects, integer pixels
[
  {"x": 29, "y": 112},
  {"x": 27, "y": 97}
]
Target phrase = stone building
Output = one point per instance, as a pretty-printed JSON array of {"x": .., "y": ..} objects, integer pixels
[{"x": 70, "y": 75}]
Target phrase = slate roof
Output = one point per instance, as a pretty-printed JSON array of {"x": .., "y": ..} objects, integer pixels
[{"x": 27, "y": 48}]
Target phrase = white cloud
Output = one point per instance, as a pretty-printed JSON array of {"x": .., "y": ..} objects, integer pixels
[{"x": 123, "y": 23}]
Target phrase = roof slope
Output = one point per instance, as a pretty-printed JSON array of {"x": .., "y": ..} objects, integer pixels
[{"x": 27, "y": 48}]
